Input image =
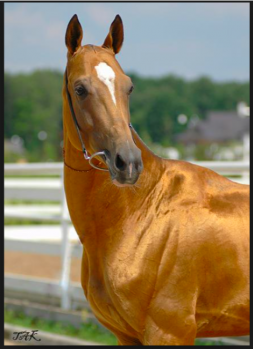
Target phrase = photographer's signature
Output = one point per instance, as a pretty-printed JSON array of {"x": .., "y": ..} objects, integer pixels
[{"x": 26, "y": 335}]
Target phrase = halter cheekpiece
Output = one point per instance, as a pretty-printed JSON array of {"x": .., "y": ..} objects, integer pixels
[{"x": 85, "y": 153}]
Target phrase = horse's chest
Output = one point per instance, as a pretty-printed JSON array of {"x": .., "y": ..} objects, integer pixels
[
  {"x": 112, "y": 296},
  {"x": 102, "y": 302}
]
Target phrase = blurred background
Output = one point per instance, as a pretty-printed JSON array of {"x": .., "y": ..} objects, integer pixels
[{"x": 189, "y": 63}]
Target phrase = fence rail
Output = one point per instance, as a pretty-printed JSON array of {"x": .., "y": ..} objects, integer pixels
[
  {"x": 58, "y": 241},
  {"x": 34, "y": 169},
  {"x": 56, "y": 168}
]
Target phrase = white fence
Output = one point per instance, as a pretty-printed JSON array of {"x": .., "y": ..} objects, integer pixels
[
  {"x": 42, "y": 239},
  {"x": 62, "y": 239}
]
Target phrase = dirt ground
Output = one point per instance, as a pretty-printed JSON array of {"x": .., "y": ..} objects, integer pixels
[{"x": 38, "y": 265}]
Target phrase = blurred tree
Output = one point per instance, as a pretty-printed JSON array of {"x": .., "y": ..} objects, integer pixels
[{"x": 33, "y": 103}]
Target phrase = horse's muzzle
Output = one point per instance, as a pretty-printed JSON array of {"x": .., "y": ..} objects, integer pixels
[{"x": 125, "y": 166}]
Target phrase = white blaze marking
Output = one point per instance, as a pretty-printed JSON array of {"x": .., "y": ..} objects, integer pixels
[{"x": 107, "y": 76}]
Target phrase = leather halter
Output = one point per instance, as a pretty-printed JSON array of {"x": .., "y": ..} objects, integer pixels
[{"x": 85, "y": 153}]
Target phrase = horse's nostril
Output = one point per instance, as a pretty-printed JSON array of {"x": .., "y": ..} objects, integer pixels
[{"x": 120, "y": 164}]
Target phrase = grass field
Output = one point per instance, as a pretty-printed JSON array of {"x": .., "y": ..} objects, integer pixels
[{"x": 91, "y": 332}]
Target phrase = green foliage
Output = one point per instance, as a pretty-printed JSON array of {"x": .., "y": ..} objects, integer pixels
[{"x": 33, "y": 103}]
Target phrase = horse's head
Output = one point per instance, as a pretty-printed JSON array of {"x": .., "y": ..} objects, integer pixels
[{"x": 99, "y": 92}]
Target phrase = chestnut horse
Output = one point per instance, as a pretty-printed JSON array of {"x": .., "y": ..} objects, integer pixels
[{"x": 166, "y": 259}]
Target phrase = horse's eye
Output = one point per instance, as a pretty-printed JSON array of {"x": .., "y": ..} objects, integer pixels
[
  {"x": 131, "y": 89},
  {"x": 81, "y": 91}
]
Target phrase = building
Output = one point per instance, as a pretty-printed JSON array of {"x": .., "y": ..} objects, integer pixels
[{"x": 218, "y": 127}]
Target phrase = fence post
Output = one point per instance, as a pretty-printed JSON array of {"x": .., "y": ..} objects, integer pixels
[{"x": 66, "y": 253}]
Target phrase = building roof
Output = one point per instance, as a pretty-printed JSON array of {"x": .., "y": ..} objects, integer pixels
[{"x": 219, "y": 126}]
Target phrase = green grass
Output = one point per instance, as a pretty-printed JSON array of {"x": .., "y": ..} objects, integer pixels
[
  {"x": 30, "y": 202},
  {"x": 32, "y": 176},
  {"x": 87, "y": 331},
  {"x": 207, "y": 342},
  {"x": 16, "y": 221}
]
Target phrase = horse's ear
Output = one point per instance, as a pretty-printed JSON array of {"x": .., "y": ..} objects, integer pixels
[
  {"x": 115, "y": 37},
  {"x": 74, "y": 35}
]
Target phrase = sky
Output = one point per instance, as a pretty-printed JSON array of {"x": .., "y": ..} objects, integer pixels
[{"x": 184, "y": 39}]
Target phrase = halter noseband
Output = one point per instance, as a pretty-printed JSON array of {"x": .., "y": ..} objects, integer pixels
[{"x": 85, "y": 153}]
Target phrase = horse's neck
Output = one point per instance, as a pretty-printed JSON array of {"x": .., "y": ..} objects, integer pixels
[
  {"x": 73, "y": 157},
  {"x": 92, "y": 197}
]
